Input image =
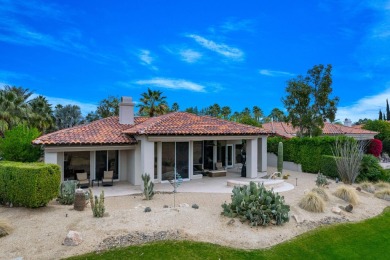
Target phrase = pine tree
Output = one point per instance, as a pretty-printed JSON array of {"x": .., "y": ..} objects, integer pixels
[
  {"x": 387, "y": 109},
  {"x": 380, "y": 115}
]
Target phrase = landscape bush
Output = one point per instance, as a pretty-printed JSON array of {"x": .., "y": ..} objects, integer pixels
[
  {"x": 375, "y": 147},
  {"x": 28, "y": 184},
  {"x": 370, "y": 169},
  {"x": 5, "y": 228},
  {"x": 386, "y": 145},
  {"x": 329, "y": 166},
  {"x": 256, "y": 204},
  {"x": 347, "y": 194},
  {"x": 321, "y": 192},
  {"x": 67, "y": 192},
  {"x": 382, "y": 185},
  {"x": 312, "y": 202},
  {"x": 367, "y": 186},
  {"x": 305, "y": 151},
  {"x": 321, "y": 180},
  {"x": 383, "y": 194}
]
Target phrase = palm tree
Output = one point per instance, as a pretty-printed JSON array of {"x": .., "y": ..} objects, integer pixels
[
  {"x": 257, "y": 112},
  {"x": 175, "y": 107},
  {"x": 14, "y": 109},
  {"x": 42, "y": 114},
  {"x": 277, "y": 115},
  {"x": 67, "y": 116},
  {"x": 152, "y": 103}
]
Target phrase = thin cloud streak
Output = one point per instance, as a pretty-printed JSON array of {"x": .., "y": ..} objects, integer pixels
[
  {"x": 275, "y": 73},
  {"x": 180, "y": 84},
  {"x": 147, "y": 59},
  {"x": 190, "y": 56},
  {"x": 220, "y": 48}
]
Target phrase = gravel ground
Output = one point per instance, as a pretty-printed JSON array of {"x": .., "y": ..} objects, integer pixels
[{"x": 39, "y": 233}]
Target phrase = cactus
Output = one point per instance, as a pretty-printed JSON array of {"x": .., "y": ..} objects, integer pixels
[
  {"x": 67, "y": 191},
  {"x": 256, "y": 204},
  {"x": 97, "y": 205},
  {"x": 280, "y": 158},
  {"x": 148, "y": 186}
]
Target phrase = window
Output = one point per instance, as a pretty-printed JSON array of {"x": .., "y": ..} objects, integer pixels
[
  {"x": 76, "y": 162},
  {"x": 106, "y": 161}
]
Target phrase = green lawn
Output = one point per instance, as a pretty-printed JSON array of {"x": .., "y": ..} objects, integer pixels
[{"x": 369, "y": 239}]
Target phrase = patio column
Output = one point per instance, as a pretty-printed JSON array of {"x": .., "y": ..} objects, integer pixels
[
  {"x": 262, "y": 154},
  {"x": 56, "y": 158},
  {"x": 147, "y": 161},
  {"x": 251, "y": 158}
]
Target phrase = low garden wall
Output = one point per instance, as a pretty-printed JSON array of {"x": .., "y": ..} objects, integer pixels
[{"x": 272, "y": 161}]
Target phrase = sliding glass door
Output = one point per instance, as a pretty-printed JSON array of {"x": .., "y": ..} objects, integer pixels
[
  {"x": 175, "y": 157},
  {"x": 106, "y": 161}
]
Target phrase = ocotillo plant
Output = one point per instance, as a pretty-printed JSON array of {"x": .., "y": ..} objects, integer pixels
[
  {"x": 148, "y": 186},
  {"x": 280, "y": 157}
]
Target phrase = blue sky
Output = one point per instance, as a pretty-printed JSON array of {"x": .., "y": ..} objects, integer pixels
[{"x": 235, "y": 53}]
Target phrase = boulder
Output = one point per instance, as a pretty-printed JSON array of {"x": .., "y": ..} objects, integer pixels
[
  {"x": 73, "y": 238},
  {"x": 336, "y": 210},
  {"x": 349, "y": 208},
  {"x": 183, "y": 205},
  {"x": 195, "y": 206},
  {"x": 230, "y": 222},
  {"x": 296, "y": 218},
  {"x": 359, "y": 189}
]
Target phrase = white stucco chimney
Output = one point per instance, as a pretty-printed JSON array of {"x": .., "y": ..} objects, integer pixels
[
  {"x": 126, "y": 111},
  {"x": 347, "y": 122}
]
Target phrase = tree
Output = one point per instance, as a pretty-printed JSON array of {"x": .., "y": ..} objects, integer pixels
[
  {"x": 14, "y": 109},
  {"x": 215, "y": 110},
  {"x": 67, "y": 116},
  {"x": 308, "y": 103},
  {"x": 175, "y": 107},
  {"x": 225, "y": 112},
  {"x": 16, "y": 145},
  {"x": 383, "y": 127},
  {"x": 108, "y": 107},
  {"x": 380, "y": 115},
  {"x": 192, "y": 110},
  {"x": 42, "y": 114},
  {"x": 257, "y": 113},
  {"x": 277, "y": 115},
  {"x": 387, "y": 109},
  {"x": 152, "y": 103},
  {"x": 248, "y": 120},
  {"x": 92, "y": 116}
]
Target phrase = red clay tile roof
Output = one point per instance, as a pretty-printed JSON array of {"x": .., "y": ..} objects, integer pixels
[
  {"x": 109, "y": 131},
  {"x": 286, "y": 130},
  {"x": 104, "y": 131},
  {"x": 181, "y": 123}
]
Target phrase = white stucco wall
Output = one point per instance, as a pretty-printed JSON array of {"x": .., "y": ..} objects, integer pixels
[{"x": 251, "y": 158}]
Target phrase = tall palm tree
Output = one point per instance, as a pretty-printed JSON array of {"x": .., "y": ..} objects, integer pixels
[
  {"x": 14, "y": 109},
  {"x": 67, "y": 116},
  {"x": 42, "y": 114},
  {"x": 226, "y": 111},
  {"x": 175, "y": 107},
  {"x": 152, "y": 103},
  {"x": 277, "y": 115},
  {"x": 257, "y": 112}
]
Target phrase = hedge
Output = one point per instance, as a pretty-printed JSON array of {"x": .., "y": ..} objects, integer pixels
[
  {"x": 307, "y": 151},
  {"x": 329, "y": 167},
  {"x": 28, "y": 184}
]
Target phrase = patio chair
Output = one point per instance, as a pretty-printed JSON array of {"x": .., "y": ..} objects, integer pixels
[
  {"x": 219, "y": 170},
  {"x": 108, "y": 178},
  {"x": 83, "y": 180}
]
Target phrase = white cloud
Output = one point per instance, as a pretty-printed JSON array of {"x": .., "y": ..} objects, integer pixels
[
  {"x": 172, "y": 84},
  {"x": 276, "y": 73},
  {"x": 237, "y": 25},
  {"x": 220, "y": 48},
  {"x": 366, "y": 107},
  {"x": 190, "y": 56},
  {"x": 147, "y": 59}
]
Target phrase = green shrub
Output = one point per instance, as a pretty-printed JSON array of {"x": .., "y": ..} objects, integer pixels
[
  {"x": 67, "y": 192},
  {"x": 258, "y": 205},
  {"x": 28, "y": 184},
  {"x": 16, "y": 145},
  {"x": 386, "y": 145},
  {"x": 305, "y": 151},
  {"x": 97, "y": 204},
  {"x": 321, "y": 180},
  {"x": 329, "y": 167},
  {"x": 370, "y": 170}
]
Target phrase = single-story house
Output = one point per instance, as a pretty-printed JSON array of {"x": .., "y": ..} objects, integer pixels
[
  {"x": 176, "y": 142},
  {"x": 286, "y": 130}
]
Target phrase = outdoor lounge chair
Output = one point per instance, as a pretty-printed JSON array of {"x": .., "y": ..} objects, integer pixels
[
  {"x": 218, "y": 172},
  {"x": 82, "y": 177},
  {"x": 108, "y": 178}
]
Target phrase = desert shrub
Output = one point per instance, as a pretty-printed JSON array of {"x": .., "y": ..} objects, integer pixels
[
  {"x": 367, "y": 186},
  {"x": 16, "y": 145},
  {"x": 375, "y": 147},
  {"x": 312, "y": 202},
  {"x": 383, "y": 194},
  {"x": 5, "y": 228},
  {"x": 370, "y": 169},
  {"x": 148, "y": 186},
  {"x": 321, "y": 180},
  {"x": 67, "y": 192},
  {"x": 347, "y": 193},
  {"x": 97, "y": 204},
  {"x": 321, "y": 192},
  {"x": 28, "y": 184},
  {"x": 386, "y": 145},
  {"x": 328, "y": 166},
  {"x": 256, "y": 204},
  {"x": 382, "y": 185}
]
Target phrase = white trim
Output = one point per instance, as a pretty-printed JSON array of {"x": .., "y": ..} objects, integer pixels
[
  {"x": 177, "y": 138},
  {"x": 227, "y": 156},
  {"x": 54, "y": 149}
]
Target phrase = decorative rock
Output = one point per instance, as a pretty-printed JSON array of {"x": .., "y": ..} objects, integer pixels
[
  {"x": 296, "y": 218},
  {"x": 165, "y": 206},
  {"x": 336, "y": 210},
  {"x": 195, "y": 206},
  {"x": 231, "y": 222},
  {"x": 73, "y": 238},
  {"x": 349, "y": 208},
  {"x": 184, "y": 205},
  {"x": 147, "y": 209},
  {"x": 359, "y": 189}
]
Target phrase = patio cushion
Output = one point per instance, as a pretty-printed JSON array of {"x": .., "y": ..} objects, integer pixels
[
  {"x": 82, "y": 176},
  {"x": 108, "y": 175},
  {"x": 218, "y": 166}
]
